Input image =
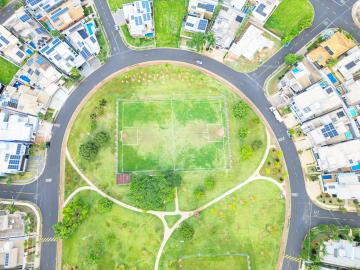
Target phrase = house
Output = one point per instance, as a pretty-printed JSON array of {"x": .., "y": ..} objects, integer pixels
[
  {"x": 13, "y": 157},
  {"x": 26, "y": 28},
  {"x": 332, "y": 48},
  {"x": 251, "y": 43},
  {"x": 317, "y": 100},
  {"x": 226, "y": 26},
  {"x": 348, "y": 64},
  {"x": 39, "y": 8},
  {"x": 343, "y": 156},
  {"x": 352, "y": 95},
  {"x": 82, "y": 36},
  {"x": 236, "y": 4},
  {"x": 263, "y": 9},
  {"x": 138, "y": 17},
  {"x": 202, "y": 8},
  {"x": 62, "y": 56},
  {"x": 65, "y": 15},
  {"x": 15, "y": 127},
  {"x": 195, "y": 24},
  {"x": 12, "y": 254},
  {"x": 298, "y": 78},
  {"x": 341, "y": 253},
  {"x": 345, "y": 187},
  {"x": 11, "y": 225},
  {"x": 10, "y": 47}
]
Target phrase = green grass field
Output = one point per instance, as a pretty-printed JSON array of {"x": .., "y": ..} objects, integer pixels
[
  {"x": 168, "y": 18},
  {"x": 214, "y": 262},
  {"x": 162, "y": 135},
  {"x": 250, "y": 221},
  {"x": 289, "y": 17},
  {"x": 165, "y": 82},
  {"x": 116, "y": 4},
  {"x": 7, "y": 71},
  {"x": 72, "y": 180},
  {"x": 131, "y": 239}
]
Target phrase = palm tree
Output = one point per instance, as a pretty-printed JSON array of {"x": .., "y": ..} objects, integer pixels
[{"x": 210, "y": 39}]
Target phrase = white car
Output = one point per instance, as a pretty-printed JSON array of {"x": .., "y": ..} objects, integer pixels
[
  {"x": 116, "y": 27},
  {"x": 276, "y": 114},
  {"x": 199, "y": 62}
]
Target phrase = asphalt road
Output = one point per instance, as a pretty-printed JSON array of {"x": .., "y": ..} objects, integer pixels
[{"x": 304, "y": 214}]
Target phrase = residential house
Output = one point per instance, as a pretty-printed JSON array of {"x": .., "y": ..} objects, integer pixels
[
  {"x": 345, "y": 187},
  {"x": 236, "y": 4},
  {"x": 343, "y": 156},
  {"x": 226, "y": 26},
  {"x": 349, "y": 64},
  {"x": 352, "y": 95},
  {"x": 330, "y": 128},
  {"x": 317, "y": 100},
  {"x": 263, "y": 9},
  {"x": 251, "y": 43},
  {"x": 138, "y": 17},
  {"x": 62, "y": 56},
  {"x": 332, "y": 48},
  {"x": 298, "y": 78},
  {"x": 26, "y": 28},
  {"x": 202, "y": 8},
  {"x": 341, "y": 253},
  {"x": 82, "y": 37},
  {"x": 39, "y": 8},
  {"x": 10, "y": 47},
  {"x": 11, "y": 224},
  {"x": 65, "y": 15},
  {"x": 13, "y": 157},
  {"x": 195, "y": 24}
]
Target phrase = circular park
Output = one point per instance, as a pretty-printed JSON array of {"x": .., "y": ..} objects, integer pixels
[{"x": 169, "y": 168}]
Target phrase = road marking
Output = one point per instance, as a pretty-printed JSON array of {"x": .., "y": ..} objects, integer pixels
[
  {"x": 57, "y": 125},
  {"x": 48, "y": 239},
  {"x": 298, "y": 260},
  {"x": 294, "y": 194},
  {"x": 19, "y": 192},
  {"x": 281, "y": 139},
  {"x": 48, "y": 180}
]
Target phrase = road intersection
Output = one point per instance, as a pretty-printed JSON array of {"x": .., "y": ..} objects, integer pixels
[{"x": 304, "y": 214}]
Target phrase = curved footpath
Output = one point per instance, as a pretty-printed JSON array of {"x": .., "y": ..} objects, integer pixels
[{"x": 304, "y": 214}]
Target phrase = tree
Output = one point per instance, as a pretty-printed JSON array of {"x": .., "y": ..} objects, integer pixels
[
  {"x": 185, "y": 232},
  {"x": 256, "y": 144},
  {"x": 95, "y": 252},
  {"x": 246, "y": 152},
  {"x": 173, "y": 178},
  {"x": 209, "y": 183},
  {"x": 151, "y": 192},
  {"x": 197, "y": 41},
  {"x": 199, "y": 192},
  {"x": 105, "y": 205},
  {"x": 101, "y": 138},
  {"x": 89, "y": 150},
  {"x": 292, "y": 59},
  {"x": 74, "y": 73},
  {"x": 240, "y": 109},
  {"x": 210, "y": 40},
  {"x": 243, "y": 132},
  {"x": 331, "y": 62}
]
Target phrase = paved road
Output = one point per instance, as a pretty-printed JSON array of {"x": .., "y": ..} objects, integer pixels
[{"x": 304, "y": 214}]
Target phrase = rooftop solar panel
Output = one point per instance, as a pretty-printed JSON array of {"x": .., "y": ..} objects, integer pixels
[{"x": 202, "y": 25}]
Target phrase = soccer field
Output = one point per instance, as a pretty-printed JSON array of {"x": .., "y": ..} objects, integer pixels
[{"x": 175, "y": 134}]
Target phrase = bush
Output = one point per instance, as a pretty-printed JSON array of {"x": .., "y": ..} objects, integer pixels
[
  {"x": 95, "y": 252},
  {"x": 89, "y": 150},
  {"x": 246, "y": 152},
  {"x": 292, "y": 59},
  {"x": 199, "y": 192},
  {"x": 173, "y": 178},
  {"x": 256, "y": 144},
  {"x": 105, "y": 205},
  {"x": 185, "y": 232},
  {"x": 243, "y": 132},
  {"x": 240, "y": 109},
  {"x": 101, "y": 138},
  {"x": 210, "y": 183}
]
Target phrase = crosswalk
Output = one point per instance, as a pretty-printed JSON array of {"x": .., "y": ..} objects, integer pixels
[
  {"x": 298, "y": 260},
  {"x": 48, "y": 239}
]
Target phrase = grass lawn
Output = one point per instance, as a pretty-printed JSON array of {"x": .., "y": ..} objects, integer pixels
[
  {"x": 3, "y": 3},
  {"x": 136, "y": 42},
  {"x": 168, "y": 17},
  {"x": 290, "y": 18},
  {"x": 166, "y": 82},
  {"x": 7, "y": 71},
  {"x": 248, "y": 222},
  {"x": 171, "y": 220},
  {"x": 131, "y": 239},
  {"x": 104, "y": 48},
  {"x": 72, "y": 180},
  {"x": 116, "y": 4},
  {"x": 214, "y": 262}
]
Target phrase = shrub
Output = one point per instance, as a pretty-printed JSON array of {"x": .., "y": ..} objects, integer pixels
[
  {"x": 199, "y": 192},
  {"x": 256, "y": 144},
  {"x": 89, "y": 150},
  {"x": 101, "y": 137},
  {"x": 185, "y": 232},
  {"x": 173, "y": 178},
  {"x": 95, "y": 252},
  {"x": 240, "y": 109},
  {"x": 243, "y": 132},
  {"x": 210, "y": 183},
  {"x": 246, "y": 152},
  {"x": 292, "y": 59},
  {"x": 105, "y": 205}
]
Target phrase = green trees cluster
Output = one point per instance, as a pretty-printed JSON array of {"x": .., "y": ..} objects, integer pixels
[
  {"x": 199, "y": 40},
  {"x": 292, "y": 59},
  {"x": 97, "y": 112},
  {"x": 302, "y": 25},
  {"x": 73, "y": 215},
  {"x": 185, "y": 232},
  {"x": 154, "y": 191},
  {"x": 209, "y": 185},
  {"x": 104, "y": 205},
  {"x": 240, "y": 109},
  {"x": 90, "y": 149}
]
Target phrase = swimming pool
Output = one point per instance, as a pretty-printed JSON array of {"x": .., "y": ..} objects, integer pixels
[
  {"x": 348, "y": 135},
  {"x": 332, "y": 78},
  {"x": 352, "y": 112},
  {"x": 90, "y": 27}
]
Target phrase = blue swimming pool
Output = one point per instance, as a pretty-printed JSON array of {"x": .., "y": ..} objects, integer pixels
[
  {"x": 352, "y": 111},
  {"x": 295, "y": 70},
  {"x": 348, "y": 135},
  {"x": 90, "y": 27},
  {"x": 332, "y": 78}
]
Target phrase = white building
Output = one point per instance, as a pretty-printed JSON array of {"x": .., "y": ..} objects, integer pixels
[
  {"x": 10, "y": 46},
  {"x": 12, "y": 254},
  {"x": 17, "y": 128},
  {"x": 342, "y": 253},
  {"x": 317, "y": 100},
  {"x": 40, "y": 7},
  {"x": 138, "y": 17},
  {"x": 352, "y": 96},
  {"x": 237, "y": 4},
  {"x": 62, "y": 56},
  {"x": 82, "y": 36},
  {"x": 297, "y": 79},
  {"x": 331, "y": 158},
  {"x": 264, "y": 9},
  {"x": 202, "y": 8},
  {"x": 12, "y": 157},
  {"x": 252, "y": 42},
  {"x": 22, "y": 25},
  {"x": 226, "y": 25},
  {"x": 349, "y": 64},
  {"x": 195, "y": 24},
  {"x": 346, "y": 187}
]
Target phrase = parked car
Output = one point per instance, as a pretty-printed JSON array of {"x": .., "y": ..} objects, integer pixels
[
  {"x": 276, "y": 114},
  {"x": 199, "y": 62}
]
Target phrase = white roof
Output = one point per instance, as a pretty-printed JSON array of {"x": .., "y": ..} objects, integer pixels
[
  {"x": 16, "y": 127},
  {"x": 342, "y": 253},
  {"x": 318, "y": 137},
  {"x": 263, "y": 9},
  {"x": 350, "y": 64},
  {"x": 238, "y": 4},
  {"x": 251, "y": 43},
  {"x": 353, "y": 96},
  {"x": 196, "y": 24},
  {"x": 138, "y": 16},
  {"x": 337, "y": 156}
]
